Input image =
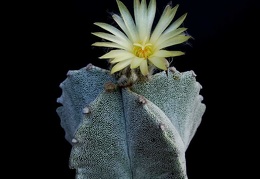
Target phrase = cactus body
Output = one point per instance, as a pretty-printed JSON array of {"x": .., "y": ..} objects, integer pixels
[{"x": 137, "y": 132}]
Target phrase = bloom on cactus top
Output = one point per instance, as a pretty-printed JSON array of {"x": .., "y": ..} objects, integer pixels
[{"x": 137, "y": 44}]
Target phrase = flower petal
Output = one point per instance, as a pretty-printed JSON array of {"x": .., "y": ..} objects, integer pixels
[
  {"x": 173, "y": 41},
  {"x": 136, "y": 62},
  {"x": 120, "y": 59},
  {"x": 113, "y": 38},
  {"x": 107, "y": 44},
  {"x": 141, "y": 18},
  {"x": 171, "y": 34},
  {"x": 137, "y": 12},
  {"x": 117, "y": 53},
  {"x": 150, "y": 16},
  {"x": 121, "y": 24},
  {"x": 175, "y": 24},
  {"x": 128, "y": 20},
  {"x": 113, "y": 30},
  {"x": 119, "y": 66},
  {"x": 165, "y": 20},
  {"x": 159, "y": 62},
  {"x": 166, "y": 53},
  {"x": 144, "y": 67}
]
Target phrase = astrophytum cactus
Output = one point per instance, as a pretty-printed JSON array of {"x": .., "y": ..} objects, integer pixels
[
  {"x": 129, "y": 132},
  {"x": 132, "y": 122}
]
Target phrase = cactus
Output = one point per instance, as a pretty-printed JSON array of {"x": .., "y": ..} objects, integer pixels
[
  {"x": 137, "y": 131},
  {"x": 132, "y": 122}
]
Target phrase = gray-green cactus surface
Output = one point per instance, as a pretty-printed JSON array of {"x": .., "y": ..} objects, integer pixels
[{"x": 135, "y": 132}]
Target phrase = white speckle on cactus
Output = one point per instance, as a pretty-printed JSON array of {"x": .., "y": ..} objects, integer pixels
[
  {"x": 142, "y": 100},
  {"x": 162, "y": 127},
  {"x": 59, "y": 100},
  {"x": 86, "y": 110},
  {"x": 74, "y": 141}
]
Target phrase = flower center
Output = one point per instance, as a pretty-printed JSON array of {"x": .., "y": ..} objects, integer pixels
[{"x": 142, "y": 50}]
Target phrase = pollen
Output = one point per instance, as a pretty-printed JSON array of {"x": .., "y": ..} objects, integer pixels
[{"x": 142, "y": 50}]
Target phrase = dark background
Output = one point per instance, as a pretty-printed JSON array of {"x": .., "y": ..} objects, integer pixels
[{"x": 223, "y": 54}]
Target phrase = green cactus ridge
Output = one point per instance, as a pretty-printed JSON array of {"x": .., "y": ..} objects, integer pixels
[{"x": 138, "y": 132}]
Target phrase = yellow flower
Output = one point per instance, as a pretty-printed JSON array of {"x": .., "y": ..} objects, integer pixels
[{"x": 136, "y": 44}]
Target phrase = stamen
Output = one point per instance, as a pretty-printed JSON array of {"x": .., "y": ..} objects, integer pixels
[{"x": 142, "y": 50}]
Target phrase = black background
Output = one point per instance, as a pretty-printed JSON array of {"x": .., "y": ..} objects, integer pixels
[{"x": 223, "y": 54}]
